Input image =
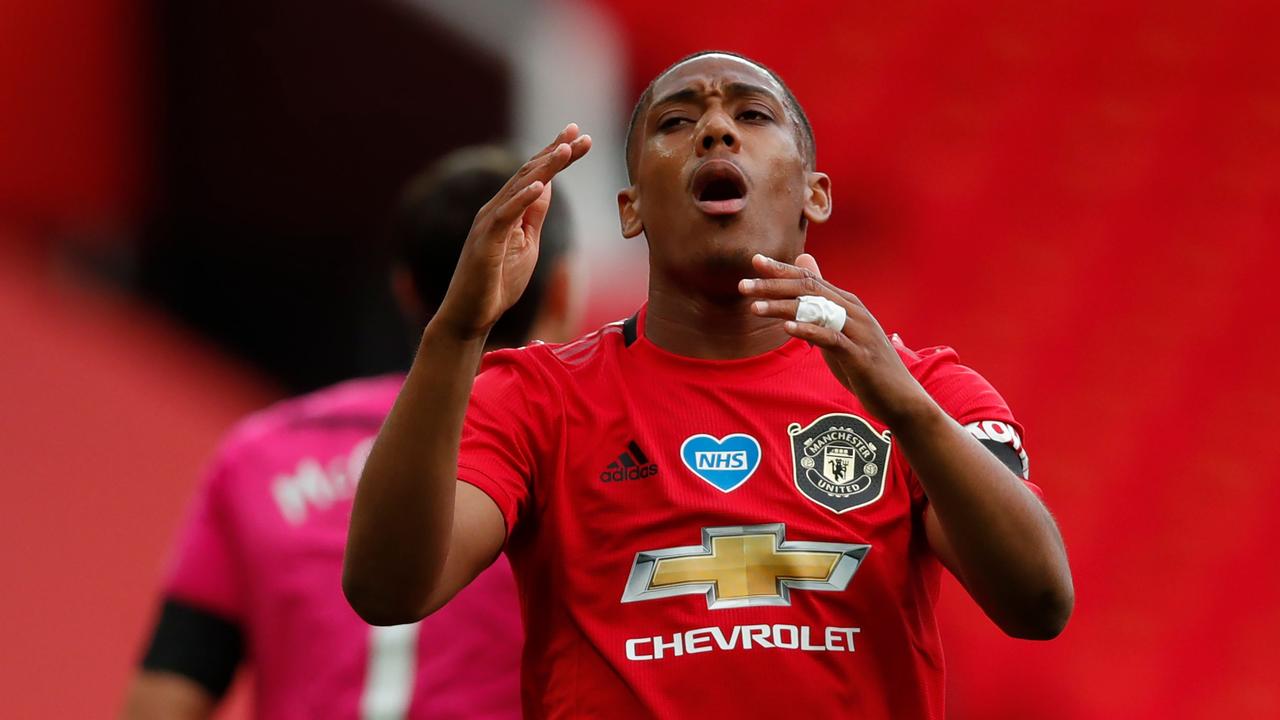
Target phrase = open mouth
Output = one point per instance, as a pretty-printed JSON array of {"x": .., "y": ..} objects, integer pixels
[{"x": 719, "y": 188}]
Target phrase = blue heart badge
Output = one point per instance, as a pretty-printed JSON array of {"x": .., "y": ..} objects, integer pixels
[{"x": 724, "y": 463}]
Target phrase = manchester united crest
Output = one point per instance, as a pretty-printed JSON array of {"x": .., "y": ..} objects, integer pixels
[{"x": 840, "y": 461}]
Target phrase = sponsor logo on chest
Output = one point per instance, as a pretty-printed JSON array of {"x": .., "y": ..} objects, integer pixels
[
  {"x": 743, "y": 566},
  {"x": 631, "y": 464},
  {"x": 738, "y": 567}
]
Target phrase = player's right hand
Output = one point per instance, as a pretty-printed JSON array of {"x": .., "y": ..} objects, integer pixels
[{"x": 502, "y": 248}]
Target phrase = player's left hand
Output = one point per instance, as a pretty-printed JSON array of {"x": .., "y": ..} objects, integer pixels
[{"x": 860, "y": 355}]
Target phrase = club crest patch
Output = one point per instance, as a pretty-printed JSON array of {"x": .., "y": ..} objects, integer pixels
[{"x": 840, "y": 461}]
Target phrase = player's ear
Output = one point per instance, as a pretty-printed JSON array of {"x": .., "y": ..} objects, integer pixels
[
  {"x": 405, "y": 291},
  {"x": 629, "y": 212},
  {"x": 817, "y": 202}
]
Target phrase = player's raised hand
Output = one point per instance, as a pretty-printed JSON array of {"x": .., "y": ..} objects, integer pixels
[
  {"x": 502, "y": 248},
  {"x": 858, "y": 352}
]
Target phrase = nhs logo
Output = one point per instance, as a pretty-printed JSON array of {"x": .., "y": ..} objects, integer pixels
[
  {"x": 724, "y": 463},
  {"x": 720, "y": 460}
]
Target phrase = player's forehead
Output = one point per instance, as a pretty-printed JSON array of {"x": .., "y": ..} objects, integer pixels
[{"x": 714, "y": 72}]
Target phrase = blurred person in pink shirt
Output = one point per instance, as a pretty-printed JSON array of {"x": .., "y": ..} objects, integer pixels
[{"x": 256, "y": 577}]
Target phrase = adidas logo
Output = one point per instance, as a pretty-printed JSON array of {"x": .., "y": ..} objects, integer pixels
[{"x": 630, "y": 465}]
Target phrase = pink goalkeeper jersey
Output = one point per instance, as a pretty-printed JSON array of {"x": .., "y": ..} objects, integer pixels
[{"x": 263, "y": 547}]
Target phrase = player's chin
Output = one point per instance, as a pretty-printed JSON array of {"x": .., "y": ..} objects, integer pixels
[{"x": 728, "y": 255}]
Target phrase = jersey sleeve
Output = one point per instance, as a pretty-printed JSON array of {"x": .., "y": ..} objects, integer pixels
[
  {"x": 507, "y": 428},
  {"x": 198, "y": 633},
  {"x": 972, "y": 401},
  {"x": 204, "y": 571}
]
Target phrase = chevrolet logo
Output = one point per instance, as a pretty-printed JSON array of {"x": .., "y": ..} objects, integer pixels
[{"x": 743, "y": 566}]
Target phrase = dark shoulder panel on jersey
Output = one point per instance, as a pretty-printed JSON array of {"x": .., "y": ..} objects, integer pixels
[
  {"x": 630, "y": 329},
  {"x": 196, "y": 644}
]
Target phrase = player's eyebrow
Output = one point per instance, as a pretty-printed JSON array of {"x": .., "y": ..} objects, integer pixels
[
  {"x": 732, "y": 89},
  {"x": 679, "y": 96},
  {"x": 741, "y": 88}
]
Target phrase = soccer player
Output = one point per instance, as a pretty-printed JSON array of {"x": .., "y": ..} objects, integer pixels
[
  {"x": 738, "y": 501},
  {"x": 257, "y": 576}
]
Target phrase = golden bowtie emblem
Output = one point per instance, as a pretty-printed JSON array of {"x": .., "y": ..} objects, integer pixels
[{"x": 743, "y": 566}]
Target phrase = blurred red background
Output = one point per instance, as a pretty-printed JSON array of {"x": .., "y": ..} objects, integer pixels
[{"x": 1082, "y": 198}]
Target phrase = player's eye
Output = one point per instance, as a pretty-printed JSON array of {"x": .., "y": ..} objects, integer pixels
[
  {"x": 754, "y": 116},
  {"x": 671, "y": 122}
]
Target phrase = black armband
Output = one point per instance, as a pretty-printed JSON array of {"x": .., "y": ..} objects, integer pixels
[
  {"x": 197, "y": 644},
  {"x": 1005, "y": 454}
]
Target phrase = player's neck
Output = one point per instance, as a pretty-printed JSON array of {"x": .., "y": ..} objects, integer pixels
[{"x": 710, "y": 328}]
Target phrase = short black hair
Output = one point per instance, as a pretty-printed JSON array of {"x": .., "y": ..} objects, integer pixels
[
  {"x": 434, "y": 217},
  {"x": 804, "y": 134}
]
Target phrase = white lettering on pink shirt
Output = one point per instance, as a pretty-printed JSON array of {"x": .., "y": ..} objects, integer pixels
[{"x": 312, "y": 486}]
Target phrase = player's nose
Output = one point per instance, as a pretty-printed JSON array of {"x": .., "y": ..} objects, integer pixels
[{"x": 716, "y": 129}]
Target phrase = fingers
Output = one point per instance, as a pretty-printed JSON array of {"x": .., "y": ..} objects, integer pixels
[
  {"x": 568, "y": 134},
  {"x": 786, "y": 288},
  {"x": 780, "y": 280},
  {"x": 578, "y": 148},
  {"x": 577, "y": 142},
  {"x": 781, "y": 309},
  {"x": 547, "y": 166},
  {"x": 804, "y": 266},
  {"x": 787, "y": 310},
  {"x": 516, "y": 196},
  {"x": 816, "y": 334},
  {"x": 546, "y": 163},
  {"x": 769, "y": 267},
  {"x": 537, "y": 211},
  {"x": 513, "y": 207},
  {"x": 806, "y": 261}
]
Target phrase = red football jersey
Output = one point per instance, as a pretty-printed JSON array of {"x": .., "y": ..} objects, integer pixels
[{"x": 696, "y": 538}]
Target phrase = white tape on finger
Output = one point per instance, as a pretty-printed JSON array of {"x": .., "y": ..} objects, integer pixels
[{"x": 820, "y": 311}]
